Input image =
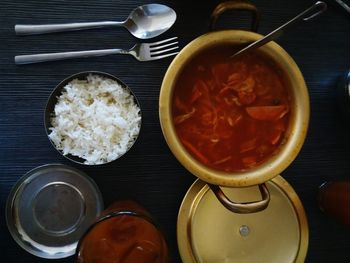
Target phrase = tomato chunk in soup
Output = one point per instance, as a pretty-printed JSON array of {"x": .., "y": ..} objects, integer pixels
[{"x": 230, "y": 114}]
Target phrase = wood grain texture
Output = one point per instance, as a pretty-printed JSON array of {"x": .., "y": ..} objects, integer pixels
[{"x": 149, "y": 173}]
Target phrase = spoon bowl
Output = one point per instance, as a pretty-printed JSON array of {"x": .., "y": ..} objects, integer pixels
[{"x": 148, "y": 21}]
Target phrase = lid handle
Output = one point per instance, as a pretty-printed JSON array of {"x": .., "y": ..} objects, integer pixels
[
  {"x": 240, "y": 5},
  {"x": 242, "y": 208}
]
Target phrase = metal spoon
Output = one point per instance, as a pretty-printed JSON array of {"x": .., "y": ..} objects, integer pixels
[
  {"x": 144, "y": 22},
  {"x": 310, "y": 13}
]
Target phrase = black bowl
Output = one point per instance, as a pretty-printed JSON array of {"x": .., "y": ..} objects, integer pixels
[{"x": 50, "y": 106}]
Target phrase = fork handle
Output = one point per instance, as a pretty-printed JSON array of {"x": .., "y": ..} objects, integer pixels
[
  {"x": 23, "y": 30},
  {"x": 29, "y": 59}
]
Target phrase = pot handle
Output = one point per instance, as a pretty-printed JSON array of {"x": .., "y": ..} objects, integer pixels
[
  {"x": 241, "y": 5},
  {"x": 243, "y": 208}
]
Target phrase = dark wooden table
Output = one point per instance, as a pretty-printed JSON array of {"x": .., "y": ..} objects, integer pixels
[{"x": 149, "y": 173}]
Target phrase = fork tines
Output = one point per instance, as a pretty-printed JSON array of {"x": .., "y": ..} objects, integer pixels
[{"x": 162, "y": 47}]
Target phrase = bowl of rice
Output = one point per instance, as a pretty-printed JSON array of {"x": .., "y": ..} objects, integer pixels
[{"x": 92, "y": 118}]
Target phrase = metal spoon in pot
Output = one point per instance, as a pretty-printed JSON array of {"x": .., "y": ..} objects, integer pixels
[
  {"x": 146, "y": 21},
  {"x": 310, "y": 13}
]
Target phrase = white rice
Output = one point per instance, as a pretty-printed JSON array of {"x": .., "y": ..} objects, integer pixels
[{"x": 95, "y": 119}]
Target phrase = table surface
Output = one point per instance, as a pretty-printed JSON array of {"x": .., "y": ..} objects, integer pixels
[{"x": 149, "y": 173}]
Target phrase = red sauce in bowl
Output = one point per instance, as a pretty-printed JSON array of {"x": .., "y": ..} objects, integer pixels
[
  {"x": 123, "y": 238},
  {"x": 230, "y": 114}
]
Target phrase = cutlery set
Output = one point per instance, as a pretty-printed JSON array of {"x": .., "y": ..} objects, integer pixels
[{"x": 144, "y": 22}]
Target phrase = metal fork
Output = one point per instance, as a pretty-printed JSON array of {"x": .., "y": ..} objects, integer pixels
[{"x": 142, "y": 52}]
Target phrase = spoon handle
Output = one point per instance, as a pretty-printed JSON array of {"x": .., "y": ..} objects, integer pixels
[
  {"x": 22, "y": 30},
  {"x": 310, "y": 13}
]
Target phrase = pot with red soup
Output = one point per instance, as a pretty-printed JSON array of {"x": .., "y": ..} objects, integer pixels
[
  {"x": 230, "y": 115},
  {"x": 234, "y": 122}
]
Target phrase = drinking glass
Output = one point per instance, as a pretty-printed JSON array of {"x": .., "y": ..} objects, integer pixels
[
  {"x": 125, "y": 233},
  {"x": 334, "y": 200}
]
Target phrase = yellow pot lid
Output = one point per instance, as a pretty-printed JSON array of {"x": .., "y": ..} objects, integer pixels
[{"x": 207, "y": 232}]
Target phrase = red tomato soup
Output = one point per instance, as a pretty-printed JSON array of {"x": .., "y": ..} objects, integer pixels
[
  {"x": 123, "y": 239},
  {"x": 230, "y": 114}
]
